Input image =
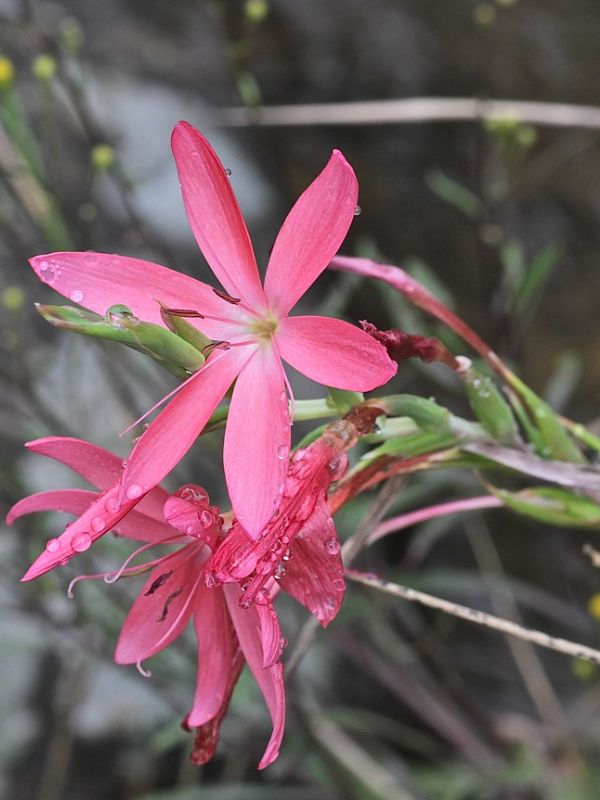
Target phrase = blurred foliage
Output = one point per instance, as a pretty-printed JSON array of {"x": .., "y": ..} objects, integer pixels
[{"x": 498, "y": 220}]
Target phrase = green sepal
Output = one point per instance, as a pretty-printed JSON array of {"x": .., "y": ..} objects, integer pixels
[
  {"x": 552, "y": 505},
  {"x": 120, "y": 325},
  {"x": 490, "y": 408},
  {"x": 343, "y": 400},
  {"x": 555, "y": 441},
  {"x": 184, "y": 329}
]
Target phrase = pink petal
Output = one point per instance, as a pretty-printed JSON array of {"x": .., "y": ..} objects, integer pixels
[
  {"x": 99, "y": 280},
  {"x": 270, "y": 680},
  {"x": 312, "y": 233},
  {"x": 214, "y": 215},
  {"x": 194, "y": 519},
  {"x": 177, "y": 427},
  {"x": 257, "y": 441},
  {"x": 315, "y": 574},
  {"x": 96, "y": 465},
  {"x": 102, "y": 515},
  {"x": 334, "y": 353},
  {"x": 163, "y": 607},
  {"x": 270, "y": 632},
  {"x": 217, "y": 645},
  {"x": 142, "y": 528},
  {"x": 70, "y": 501}
]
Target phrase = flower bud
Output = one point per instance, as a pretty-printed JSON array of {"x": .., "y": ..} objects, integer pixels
[{"x": 43, "y": 67}]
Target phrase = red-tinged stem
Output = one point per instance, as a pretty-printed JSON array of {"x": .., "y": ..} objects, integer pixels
[{"x": 403, "y": 521}]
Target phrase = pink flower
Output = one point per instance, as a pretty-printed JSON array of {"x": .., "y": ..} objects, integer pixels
[
  {"x": 253, "y": 320},
  {"x": 299, "y": 548},
  {"x": 175, "y": 591}
]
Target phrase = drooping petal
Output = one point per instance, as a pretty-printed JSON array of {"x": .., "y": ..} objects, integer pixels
[
  {"x": 177, "y": 427},
  {"x": 97, "y": 281},
  {"x": 257, "y": 441},
  {"x": 99, "y": 518},
  {"x": 217, "y": 648},
  {"x": 334, "y": 353},
  {"x": 315, "y": 574},
  {"x": 311, "y": 234},
  {"x": 163, "y": 607},
  {"x": 270, "y": 680},
  {"x": 214, "y": 215},
  {"x": 70, "y": 501},
  {"x": 96, "y": 465}
]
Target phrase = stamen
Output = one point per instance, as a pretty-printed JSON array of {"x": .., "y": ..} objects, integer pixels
[
  {"x": 145, "y": 673},
  {"x": 113, "y": 577},
  {"x": 227, "y": 297},
  {"x": 185, "y": 312}
]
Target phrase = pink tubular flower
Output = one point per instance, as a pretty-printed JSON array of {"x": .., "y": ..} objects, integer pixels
[
  {"x": 175, "y": 591},
  {"x": 252, "y": 320}
]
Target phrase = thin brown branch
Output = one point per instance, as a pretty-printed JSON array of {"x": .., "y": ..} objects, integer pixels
[{"x": 414, "y": 110}]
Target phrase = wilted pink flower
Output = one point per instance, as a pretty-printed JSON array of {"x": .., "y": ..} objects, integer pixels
[
  {"x": 253, "y": 320},
  {"x": 299, "y": 548}
]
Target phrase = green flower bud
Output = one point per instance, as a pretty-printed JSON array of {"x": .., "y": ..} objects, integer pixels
[
  {"x": 7, "y": 73},
  {"x": 102, "y": 157},
  {"x": 13, "y": 298},
  {"x": 44, "y": 67},
  {"x": 490, "y": 408},
  {"x": 256, "y": 10}
]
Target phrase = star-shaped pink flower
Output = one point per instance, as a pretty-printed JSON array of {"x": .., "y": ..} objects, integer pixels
[{"x": 253, "y": 319}]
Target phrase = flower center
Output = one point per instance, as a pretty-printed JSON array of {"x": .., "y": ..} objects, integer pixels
[{"x": 264, "y": 327}]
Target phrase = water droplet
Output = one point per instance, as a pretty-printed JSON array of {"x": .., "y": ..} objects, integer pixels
[
  {"x": 332, "y": 546},
  {"x": 339, "y": 584},
  {"x": 262, "y": 597},
  {"x": 282, "y": 452},
  {"x": 76, "y": 295},
  {"x": 47, "y": 272},
  {"x": 120, "y": 316},
  {"x": 112, "y": 505},
  {"x": 245, "y": 602},
  {"x": 189, "y": 530},
  {"x": 330, "y": 603},
  {"x": 98, "y": 524},
  {"x": 283, "y": 643},
  {"x": 287, "y": 555},
  {"x": 52, "y": 545},
  {"x": 280, "y": 571},
  {"x": 227, "y": 171},
  {"x": 206, "y": 518},
  {"x": 357, "y": 211},
  {"x": 133, "y": 491},
  {"x": 193, "y": 494},
  {"x": 211, "y": 580},
  {"x": 81, "y": 542}
]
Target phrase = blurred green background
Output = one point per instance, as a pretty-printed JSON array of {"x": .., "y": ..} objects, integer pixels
[{"x": 499, "y": 218}]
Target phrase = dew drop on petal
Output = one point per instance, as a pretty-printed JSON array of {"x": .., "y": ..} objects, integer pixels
[
  {"x": 76, "y": 295},
  {"x": 112, "y": 505},
  {"x": 280, "y": 571},
  {"x": 98, "y": 524},
  {"x": 283, "y": 643},
  {"x": 330, "y": 603},
  {"x": 52, "y": 545},
  {"x": 206, "y": 519},
  {"x": 47, "y": 272},
  {"x": 227, "y": 171},
  {"x": 282, "y": 452},
  {"x": 133, "y": 491},
  {"x": 332, "y": 546},
  {"x": 81, "y": 542},
  {"x": 339, "y": 584},
  {"x": 357, "y": 211}
]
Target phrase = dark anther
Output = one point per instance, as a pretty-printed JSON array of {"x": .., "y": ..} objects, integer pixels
[
  {"x": 215, "y": 346},
  {"x": 227, "y": 297},
  {"x": 185, "y": 312},
  {"x": 168, "y": 602},
  {"x": 160, "y": 581}
]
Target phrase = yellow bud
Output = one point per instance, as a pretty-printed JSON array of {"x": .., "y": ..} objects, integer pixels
[
  {"x": 485, "y": 14},
  {"x": 71, "y": 34},
  {"x": 256, "y": 10},
  {"x": 594, "y": 606},
  {"x": 102, "y": 156},
  {"x": 44, "y": 67},
  {"x": 7, "y": 72},
  {"x": 13, "y": 298}
]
